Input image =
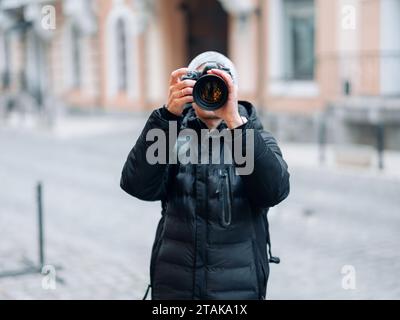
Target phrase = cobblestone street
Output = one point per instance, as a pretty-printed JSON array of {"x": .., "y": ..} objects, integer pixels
[{"x": 101, "y": 238}]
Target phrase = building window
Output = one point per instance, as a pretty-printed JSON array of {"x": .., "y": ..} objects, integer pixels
[
  {"x": 76, "y": 57},
  {"x": 122, "y": 55},
  {"x": 299, "y": 39},
  {"x": 122, "y": 68}
]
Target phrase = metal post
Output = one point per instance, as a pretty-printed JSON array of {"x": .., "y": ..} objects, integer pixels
[
  {"x": 322, "y": 138},
  {"x": 39, "y": 194},
  {"x": 380, "y": 144}
]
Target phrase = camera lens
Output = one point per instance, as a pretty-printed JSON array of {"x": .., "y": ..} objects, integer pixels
[{"x": 210, "y": 92}]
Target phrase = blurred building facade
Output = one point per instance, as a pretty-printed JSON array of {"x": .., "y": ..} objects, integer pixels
[{"x": 294, "y": 57}]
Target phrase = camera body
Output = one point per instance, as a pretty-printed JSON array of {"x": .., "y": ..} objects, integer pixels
[{"x": 210, "y": 91}]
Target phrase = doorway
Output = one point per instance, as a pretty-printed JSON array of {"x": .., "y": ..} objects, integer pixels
[{"x": 207, "y": 27}]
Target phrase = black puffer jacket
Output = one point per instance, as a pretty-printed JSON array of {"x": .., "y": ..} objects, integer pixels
[{"x": 211, "y": 240}]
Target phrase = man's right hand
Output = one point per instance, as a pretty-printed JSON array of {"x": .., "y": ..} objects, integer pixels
[{"x": 180, "y": 92}]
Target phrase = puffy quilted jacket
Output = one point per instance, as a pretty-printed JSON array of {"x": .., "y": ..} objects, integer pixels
[{"x": 211, "y": 241}]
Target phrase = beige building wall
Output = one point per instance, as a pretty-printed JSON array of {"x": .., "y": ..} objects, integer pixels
[
  {"x": 342, "y": 54},
  {"x": 165, "y": 50},
  {"x": 369, "y": 31},
  {"x": 244, "y": 52},
  {"x": 109, "y": 12}
]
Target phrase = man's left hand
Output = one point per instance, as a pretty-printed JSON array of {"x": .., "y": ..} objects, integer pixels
[{"x": 230, "y": 111}]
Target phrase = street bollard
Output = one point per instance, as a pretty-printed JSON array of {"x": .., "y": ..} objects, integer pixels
[
  {"x": 39, "y": 198},
  {"x": 30, "y": 267},
  {"x": 380, "y": 144},
  {"x": 322, "y": 137}
]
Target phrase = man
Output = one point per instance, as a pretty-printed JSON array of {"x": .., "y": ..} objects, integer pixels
[{"x": 211, "y": 241}]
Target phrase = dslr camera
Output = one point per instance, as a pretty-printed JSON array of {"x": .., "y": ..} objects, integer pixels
[{"x": 210, "y": 91}]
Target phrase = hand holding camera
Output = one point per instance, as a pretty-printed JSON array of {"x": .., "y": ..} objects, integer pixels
[
  {"x": 212, "y": 89},
  {"x": 180, "y": 91},
  {"x": 229, "y": 110}
]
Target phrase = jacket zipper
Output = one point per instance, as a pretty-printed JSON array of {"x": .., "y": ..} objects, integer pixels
[{"x": 226, "y": 198}]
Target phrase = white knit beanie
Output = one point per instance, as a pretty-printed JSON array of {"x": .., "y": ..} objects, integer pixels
[{"x": 216, "y": 57}]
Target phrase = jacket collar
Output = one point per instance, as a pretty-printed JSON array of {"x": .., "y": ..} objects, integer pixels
[{"x": 190, "y": 120}]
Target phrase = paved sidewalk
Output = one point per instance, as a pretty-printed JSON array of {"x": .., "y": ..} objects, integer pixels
[
  {"x": 102, "y": 238},
  {"x": 344, "y": 160}
]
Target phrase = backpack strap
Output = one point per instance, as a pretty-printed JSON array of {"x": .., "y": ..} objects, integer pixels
[
  {"x": 147, "y": 292},
  {"x": 271, "y": 259}
]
